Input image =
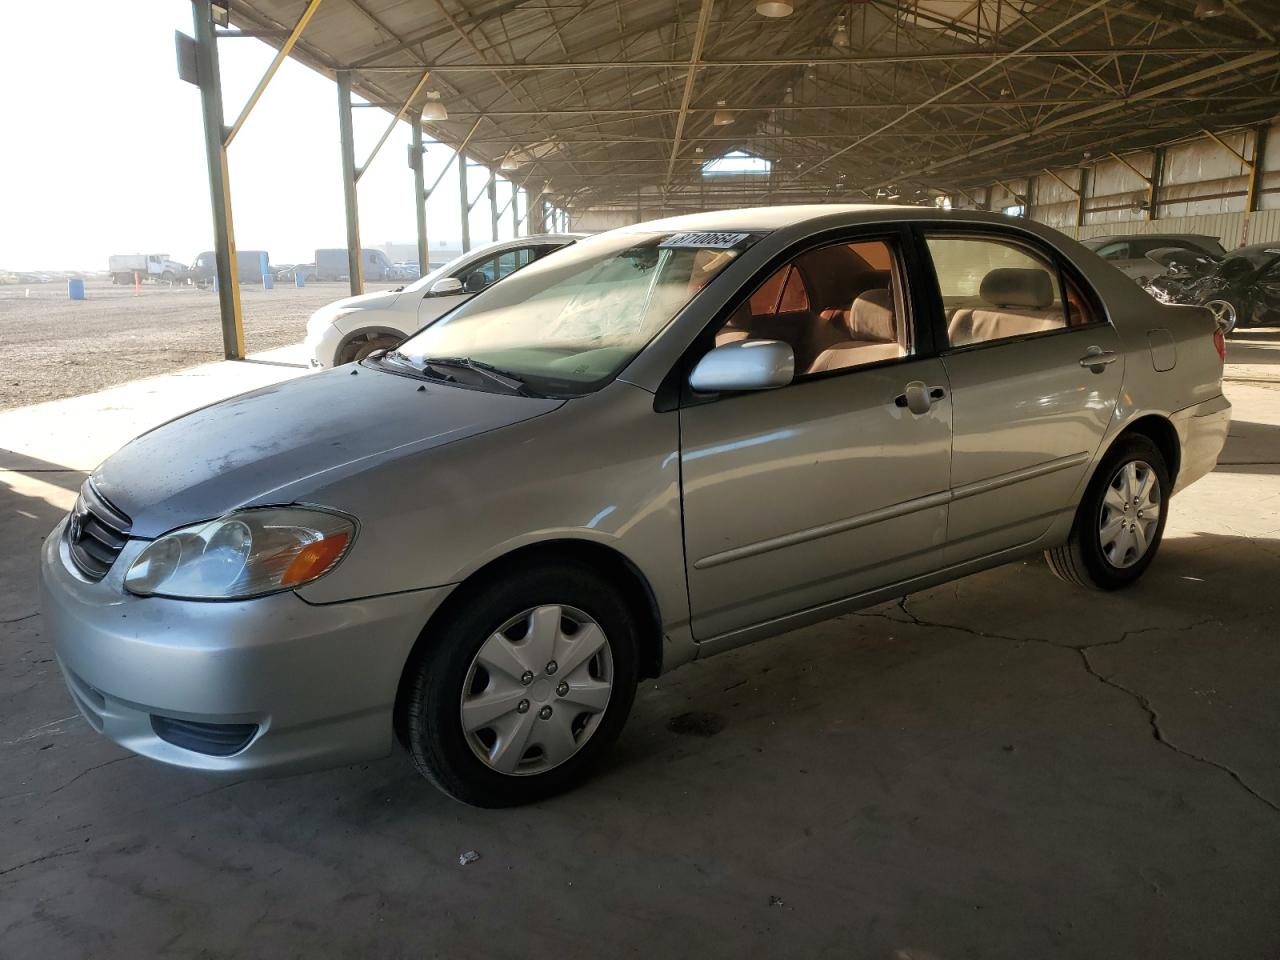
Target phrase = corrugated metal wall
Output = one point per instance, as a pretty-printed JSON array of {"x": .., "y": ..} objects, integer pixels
[{"x": 1202, "y": 189}]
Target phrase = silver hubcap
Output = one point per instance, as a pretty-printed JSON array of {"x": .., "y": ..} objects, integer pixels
[
  {"x": 1130, "y": 513},
  {"x": 536, "y": 690},
  {"x": 1224, "y": 313}
]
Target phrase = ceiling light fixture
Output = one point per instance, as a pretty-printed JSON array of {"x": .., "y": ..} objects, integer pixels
[
  {"x": 433, "y": 109},
  {"x": 509, "y": 162},
  {"x": 722, "y": 118},
  {"x": 841, "y": 38},
  {"x": 1210, "y": 8},
  {"x": 775, "y": 8}
]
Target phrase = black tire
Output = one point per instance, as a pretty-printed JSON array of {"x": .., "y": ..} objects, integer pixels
[
  {"x": 431, "y": 694},
  {"x": 1082, "y": 560},
  {"x": 358, "y": 348}
]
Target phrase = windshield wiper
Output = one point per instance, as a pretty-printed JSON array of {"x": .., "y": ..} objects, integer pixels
[{"x": 503, "y": 378}]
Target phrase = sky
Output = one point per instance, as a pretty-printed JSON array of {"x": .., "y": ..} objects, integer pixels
[{"x": 102, "y": 149}]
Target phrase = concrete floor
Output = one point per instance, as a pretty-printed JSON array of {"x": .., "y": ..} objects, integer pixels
[{"x": 1001, "y": 767}]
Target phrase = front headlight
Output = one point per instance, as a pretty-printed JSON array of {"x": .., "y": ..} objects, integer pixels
[{"x": 244, "y": 554}]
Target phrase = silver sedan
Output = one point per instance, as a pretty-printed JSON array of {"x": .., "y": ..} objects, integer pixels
[{"x": 658, "y": 444}]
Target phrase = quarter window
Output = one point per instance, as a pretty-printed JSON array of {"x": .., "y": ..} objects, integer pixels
[
  {"x": 996, "y": 289},
  {"x": 837, "y": 306}
]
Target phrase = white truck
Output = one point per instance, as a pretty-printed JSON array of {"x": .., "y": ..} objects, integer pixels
[{"x": 148, "y": 266}]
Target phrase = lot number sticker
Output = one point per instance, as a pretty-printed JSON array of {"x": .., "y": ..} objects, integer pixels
[{"x": 715, "y": 241}]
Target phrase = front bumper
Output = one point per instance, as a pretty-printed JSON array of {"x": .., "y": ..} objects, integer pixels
[
  {"x": 322, "y": 343},
  {"x": 314, "y": 684}
]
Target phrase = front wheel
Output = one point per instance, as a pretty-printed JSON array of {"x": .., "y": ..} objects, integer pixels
[
  {"x": 358, "y": 348},
  {"x": 523, "y": 687},
  {"x": 1120, "y": 522},
  {"x": 1225, "y": 313}
]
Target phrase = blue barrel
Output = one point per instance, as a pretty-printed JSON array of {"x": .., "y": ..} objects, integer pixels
[
  {"x": 268, "y": 282},
  {"x": 75, "y": 288},
  {"x": 299, "y": 279}
]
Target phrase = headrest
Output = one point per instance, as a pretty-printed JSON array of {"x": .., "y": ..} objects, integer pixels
[
  {"x": 1017, "y": 287},
  {"x": 871, "y": 317}
]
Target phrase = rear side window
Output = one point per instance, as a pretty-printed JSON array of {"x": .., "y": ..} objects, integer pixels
[
  {"x": 1115, "y": 251},
  {"x": 994, "y": 289}
]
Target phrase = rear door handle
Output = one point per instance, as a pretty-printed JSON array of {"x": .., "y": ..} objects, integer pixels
[{"x": 1096, "y": 359}]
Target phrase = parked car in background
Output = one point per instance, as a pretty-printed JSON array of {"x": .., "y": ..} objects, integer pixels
[
  {"x": 333, "y": 263},
  {"x": 352, "y": 328},
  {"x": 407, "y": 270},
  {"x": 1241, "y": 289},
  {"x": 661, "y": 443},
  {"x": 251, "y": 264},
  {"x": 146, "y": 266},
  {"x": 1128, "y": 252}
]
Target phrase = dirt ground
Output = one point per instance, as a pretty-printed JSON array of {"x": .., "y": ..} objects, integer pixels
[{"x": 55, "y": 347}]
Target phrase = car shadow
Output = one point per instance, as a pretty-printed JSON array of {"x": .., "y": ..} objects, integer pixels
[{"x": 1250, "y": 448}]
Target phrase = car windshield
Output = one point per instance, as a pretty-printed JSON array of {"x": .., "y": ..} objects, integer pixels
[
  {"x": 426, "y": 280},
  {"x": 570, "y": 322}
]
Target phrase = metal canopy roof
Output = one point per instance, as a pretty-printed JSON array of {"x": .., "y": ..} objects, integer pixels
[{"x": 615, "y": 102}]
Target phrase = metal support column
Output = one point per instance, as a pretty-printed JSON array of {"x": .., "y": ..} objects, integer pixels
[
  {"x": 1254, "y": 191},
  {"x": 224, "y": 241},
  {"x": 420, "y": 195},
  {"x": 1153, "y": 185},
  {"x": 1081, "y": 195},
  {"x": 515, "y": 209},
  {"x": 464, "y": 199},
  {"x": 347, "y": 137},
  {"x": 493, "y": 203}
]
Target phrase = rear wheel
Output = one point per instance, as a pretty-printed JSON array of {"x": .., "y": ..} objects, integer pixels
[
  {"x": 1225, "y": 313},
  {"x": 1120, "y": 522},
  {"x": 523, "y": 687}
]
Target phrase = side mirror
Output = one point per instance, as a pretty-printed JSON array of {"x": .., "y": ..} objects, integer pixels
[
  {"x": 446, "y": 287},
  {"x": 745, "y": 365},
  {"x": 475, "y": 282}
]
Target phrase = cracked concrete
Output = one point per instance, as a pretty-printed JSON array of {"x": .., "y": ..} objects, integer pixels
[{"x": 1004, "y": 766}]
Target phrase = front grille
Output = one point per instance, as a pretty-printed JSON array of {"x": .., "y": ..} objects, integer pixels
[
  {"x": 212, "y": 739},
  {"x": 96, "y": 533}
]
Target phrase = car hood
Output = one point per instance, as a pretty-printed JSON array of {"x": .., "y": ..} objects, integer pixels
[
  {"x": 275, "y": 444},
  {"x": 366, "y": 301}
]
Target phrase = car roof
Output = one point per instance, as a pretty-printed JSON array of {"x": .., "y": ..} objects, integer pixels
[
  {"x": 548, "y": 238},
  {"x": 1109, "y": 237}
]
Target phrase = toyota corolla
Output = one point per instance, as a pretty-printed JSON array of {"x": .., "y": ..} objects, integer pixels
[{"x": 657, "y": 444}]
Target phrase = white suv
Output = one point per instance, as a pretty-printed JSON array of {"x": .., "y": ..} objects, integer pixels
[{"x": 352, "y": 328}]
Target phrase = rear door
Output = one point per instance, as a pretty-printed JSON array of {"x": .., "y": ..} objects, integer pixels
[{"x": 1035, "y": 371}]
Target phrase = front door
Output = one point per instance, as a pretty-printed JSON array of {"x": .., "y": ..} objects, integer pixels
[
  {"x": 832, "y": 486},
  {"x": 1035, "y": 371}
]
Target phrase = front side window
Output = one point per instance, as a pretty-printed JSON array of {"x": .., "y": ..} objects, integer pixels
[
  {"x": 569, "y": 323},
  {"x": 837, "y": 306},
  {"x": 994, "y": 289}
]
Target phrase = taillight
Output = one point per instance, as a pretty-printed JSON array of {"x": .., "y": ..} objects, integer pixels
[{"x": 1220, "y": 342}]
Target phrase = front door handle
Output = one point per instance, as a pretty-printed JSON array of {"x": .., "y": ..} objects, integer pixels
[
  {"x": 915, "y": 398},
  {"x": 1097, "y": 359}
]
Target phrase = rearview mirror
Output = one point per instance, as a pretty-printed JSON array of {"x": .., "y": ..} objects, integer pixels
[
  {"x": 446, "y": 287},
  {"x": 745, "y": 365}
]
